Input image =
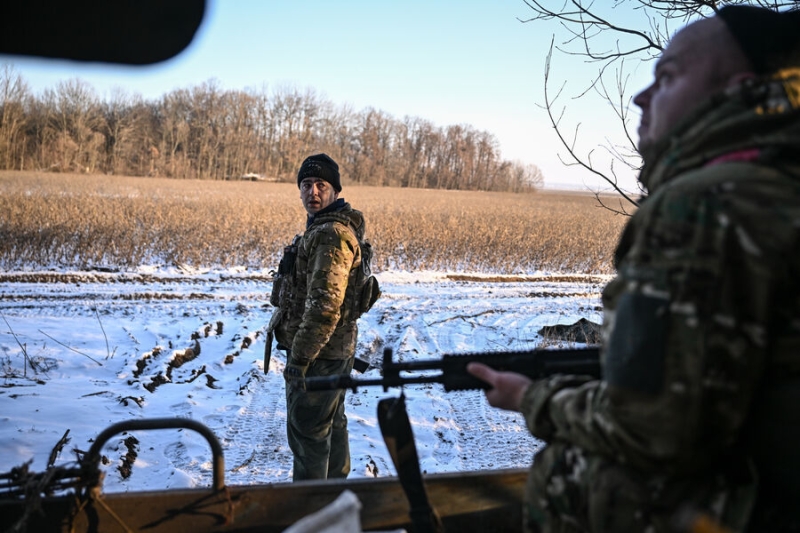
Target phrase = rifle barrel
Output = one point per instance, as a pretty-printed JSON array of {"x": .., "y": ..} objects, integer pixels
[{"x": 346, "y": 382}]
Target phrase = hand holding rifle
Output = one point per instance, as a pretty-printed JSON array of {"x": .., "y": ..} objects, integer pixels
[{"x": 506, "y": 388}]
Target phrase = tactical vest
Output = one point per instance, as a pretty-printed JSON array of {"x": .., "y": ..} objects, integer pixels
[{"x": 289, "y": 291}]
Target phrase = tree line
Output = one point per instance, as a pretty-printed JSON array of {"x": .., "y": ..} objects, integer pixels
[{"x": 205, "y": 132}]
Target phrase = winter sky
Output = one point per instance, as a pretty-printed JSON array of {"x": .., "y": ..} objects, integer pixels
[{"x": 451, "y": 62}]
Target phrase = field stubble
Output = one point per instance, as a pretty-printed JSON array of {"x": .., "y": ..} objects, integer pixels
[{"x": 84, "y": 222}]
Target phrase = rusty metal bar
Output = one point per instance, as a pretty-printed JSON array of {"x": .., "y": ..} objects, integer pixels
[{"x": 93, "y": 455}]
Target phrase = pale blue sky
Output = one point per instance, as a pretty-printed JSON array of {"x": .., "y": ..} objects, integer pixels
[{"x": 450, "y": 62}]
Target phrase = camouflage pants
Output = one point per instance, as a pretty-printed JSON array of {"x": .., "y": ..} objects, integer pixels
[
  {"x": 316, "y": 426},
  {"x": 570, "y": 491}
]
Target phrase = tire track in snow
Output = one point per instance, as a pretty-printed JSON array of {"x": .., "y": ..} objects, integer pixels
[
  {"x": 260, "y": 422},
  {"x": 250, "y": 426},
  {"x": 501, "y": 436},
  {"x": 455, "y": 431},
  {"x": 252, "y": 435}
]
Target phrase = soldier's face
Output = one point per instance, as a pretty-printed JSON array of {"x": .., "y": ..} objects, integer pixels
[
  {"x": 317, "y": 194},
  {"x": 685, "y": 76}
]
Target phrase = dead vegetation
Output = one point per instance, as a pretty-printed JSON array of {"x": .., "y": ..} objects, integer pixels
[{"x": 118, "y": 223}]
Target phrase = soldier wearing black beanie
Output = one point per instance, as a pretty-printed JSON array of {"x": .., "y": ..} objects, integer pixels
[
  {"x": 320, "y": 166},
  {"x": 318, "y": 293}
]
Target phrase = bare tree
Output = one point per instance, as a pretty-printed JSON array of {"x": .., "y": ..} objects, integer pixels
[
  {"x": 294, "y": 116},
  {"x": 610, "y": 36},
  {"x": 411, "y": 150},
  {"x": 173, "y": 115},
  {"x": 240, "y": 139},
  {"x": 118, "y": 127},
  {"x": 77, "y": 121},
  {"x": 205, "y": 132},
  {"x": 371, "y": 145},
  {"x": 263, "y": 133},
  {"x": 13, "y": 97},
  {"x": 525, "y": 177}
]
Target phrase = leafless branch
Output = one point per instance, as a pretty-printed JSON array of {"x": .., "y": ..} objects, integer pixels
[
  {"x": 21, "y": 347},
  {"x": 586, "y": 27},
  {"x": 51, "y": 461},
  {"x": 70, "y": 348},
  {"x": 570, "y": 145},
  {"x": 108, "y": 348}
]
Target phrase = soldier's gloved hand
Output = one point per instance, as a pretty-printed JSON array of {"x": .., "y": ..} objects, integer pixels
[{"x": 295, "y": 372}]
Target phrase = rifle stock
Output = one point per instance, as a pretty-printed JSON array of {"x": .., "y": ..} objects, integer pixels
[{"x": 451, "y": 369}]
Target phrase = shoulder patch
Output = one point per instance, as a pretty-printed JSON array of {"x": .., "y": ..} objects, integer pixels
[{"x": 634, "y": 359}]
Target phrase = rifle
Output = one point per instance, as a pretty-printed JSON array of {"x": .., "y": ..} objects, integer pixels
[{"x": 452, "y": 369}]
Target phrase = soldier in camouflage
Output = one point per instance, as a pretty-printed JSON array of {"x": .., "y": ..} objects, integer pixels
[
  {"x": 697, "y": 417},
  {"x": 315, "y": 322}
]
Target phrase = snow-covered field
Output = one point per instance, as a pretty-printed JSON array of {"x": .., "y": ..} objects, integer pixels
[{"x": 108, "y": 347}]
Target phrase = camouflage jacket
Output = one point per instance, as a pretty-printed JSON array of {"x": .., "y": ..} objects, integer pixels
[
  {"x": 313, "y": 317},
  {"x": 702, "y": 321}
]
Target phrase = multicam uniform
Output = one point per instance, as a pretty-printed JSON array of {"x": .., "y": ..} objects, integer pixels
[
  {"x": 699, "y": 408},
  {"x": 315, "y": 322}
]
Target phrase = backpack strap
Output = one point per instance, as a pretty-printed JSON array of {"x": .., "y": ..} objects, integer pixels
[
  {"x": 369, "y": 291},
  {"x": 335, "y": 216}
]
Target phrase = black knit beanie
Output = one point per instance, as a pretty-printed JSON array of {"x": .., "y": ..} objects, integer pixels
[
  {"x": 769, "y": 39},
  {"x": 320, "y": 166}
]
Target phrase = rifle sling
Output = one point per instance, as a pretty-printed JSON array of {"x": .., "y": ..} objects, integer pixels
[{"x": 396, "y": 430}]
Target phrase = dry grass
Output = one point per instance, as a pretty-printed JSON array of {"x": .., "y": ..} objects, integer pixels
[{"x": 72, "y": 221}]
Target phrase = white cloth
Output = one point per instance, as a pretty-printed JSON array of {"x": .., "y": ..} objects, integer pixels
[{"x": 339, "y": 516}]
